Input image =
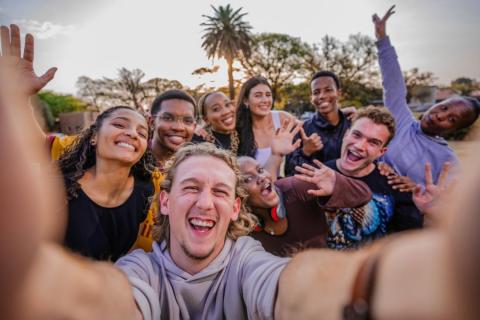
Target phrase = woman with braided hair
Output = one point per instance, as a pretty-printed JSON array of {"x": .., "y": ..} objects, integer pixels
[{"x": 107, "y": 178}]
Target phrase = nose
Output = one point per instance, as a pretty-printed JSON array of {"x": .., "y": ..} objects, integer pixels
[
  {"x": 204, "y": 200},
  {"x": 441, "y": 116},
  {"x": 178, "y": 124},
  {"x": 361, "y": 144},
  {"x": 132, "y": 133}
]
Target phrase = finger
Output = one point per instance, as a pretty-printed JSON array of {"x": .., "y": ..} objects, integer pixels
[
  {"x": 303, "y": 178},
  {"x": 313, "y": 136},
  {"x": 297, "y": 143},
  {"x": 318, "y": 193},
  {"x": 418, "y": 190},
  {"x": 303, "y": 135},
  {"x": 375, "y": 18},
  {"x": 318, "y": 163},
  {"x": 296, "y": 129},
  {"x": 304, "y": 171},
  {"x": 5, "y": 34},
  {"x": 47, "y": 77},
  {"x": 28, "y": 50},
  {"x": 15, "y": 40},
  {"x": 428, "y": 174},
  {"x": 442, "y": 179},
  {"x": 308, "y": 166},
  {"x": 389, "y": 13}
]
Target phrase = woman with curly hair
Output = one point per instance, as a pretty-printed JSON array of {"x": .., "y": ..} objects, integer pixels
[
  {"x": 218, "y": 112},
  {"x": 256, "y": 121},
  {"x": 107, "y": 178}
]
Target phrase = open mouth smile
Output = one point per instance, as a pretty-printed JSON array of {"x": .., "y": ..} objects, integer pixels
[{"x": 201, "y": 225}]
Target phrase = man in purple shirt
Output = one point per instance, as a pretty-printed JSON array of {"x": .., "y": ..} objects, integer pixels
[{"x": 418, "y": 142}]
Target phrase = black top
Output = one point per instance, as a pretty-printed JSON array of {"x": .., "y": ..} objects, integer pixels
[
  {"x": 106, "y": 233},
  {"x": 222, "y": 140},
  {"x": 331, "y": 136},
  {"x": 389, "y": 210}
]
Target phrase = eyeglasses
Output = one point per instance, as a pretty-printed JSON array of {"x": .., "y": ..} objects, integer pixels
[{"x": 170, "y": 118}]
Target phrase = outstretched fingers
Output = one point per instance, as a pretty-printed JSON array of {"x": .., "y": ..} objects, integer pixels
[
  {"x": 442, "y": 178},
  {"x": 15, "y": 40},
  {"x": 388, "y": 13},
  {"x": 428, "y": 174},
  {"x": 306, "y": 171},
  {"x": 29, "y": 48},
  {"x": 5, "y": 35}
]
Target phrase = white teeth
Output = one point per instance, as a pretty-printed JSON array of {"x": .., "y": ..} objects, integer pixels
[
  {"x": 126, "y": 145},
  {"x": 201, "y": 223}
]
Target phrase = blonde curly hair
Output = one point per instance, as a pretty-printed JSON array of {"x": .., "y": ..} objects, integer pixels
[{"x": 245, "y": 221}]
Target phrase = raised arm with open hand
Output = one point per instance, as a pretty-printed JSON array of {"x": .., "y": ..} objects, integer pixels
[
  {"x": 322, "y": 176},
  {"x": 381, "y": 24},
  {"x": 25, "y": 80},
  {"x": 282, "y": 143}
]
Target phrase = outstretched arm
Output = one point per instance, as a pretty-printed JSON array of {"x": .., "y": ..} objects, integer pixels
[
  {"x": 37, "y": 269},
  {"x": 394, "y": 89}
]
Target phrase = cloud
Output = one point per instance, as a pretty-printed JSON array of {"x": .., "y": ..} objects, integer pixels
[{"x": 44, "y": 30}]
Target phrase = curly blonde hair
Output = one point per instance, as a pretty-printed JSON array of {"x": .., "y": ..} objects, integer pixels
[{"x": 245, "y": 221}]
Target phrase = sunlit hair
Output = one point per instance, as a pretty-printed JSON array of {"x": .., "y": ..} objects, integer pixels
[
  {"x": 247, "y": 146},
  {"x": 378, "y": 115},
  {"x": 81, "y": 156},
  {"x": 245, "y": 221}
]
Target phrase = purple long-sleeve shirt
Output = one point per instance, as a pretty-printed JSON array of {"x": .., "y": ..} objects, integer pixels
[{"x": 411, "y": 148}]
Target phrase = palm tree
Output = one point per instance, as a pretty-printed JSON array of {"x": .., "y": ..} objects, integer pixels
[{"x": 226, "y": 36}]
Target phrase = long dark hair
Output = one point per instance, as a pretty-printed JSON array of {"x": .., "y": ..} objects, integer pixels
[
  {"x": 80, "y": 156},
  {"x": 247, "y": 147}
]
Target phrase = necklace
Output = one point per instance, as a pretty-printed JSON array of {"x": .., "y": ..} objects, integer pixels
[{"x": 234, "y": 141}]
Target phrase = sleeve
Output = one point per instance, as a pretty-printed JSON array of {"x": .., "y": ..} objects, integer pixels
[
  {"x": 58, "y": 145},
  {"x": 347, "y": 193},
  {"x": 406, "y": 215},
  {"x": 394, "y": 89},
  {"x": 141, "y": 273},
  {"x": 259, "y": 280}
]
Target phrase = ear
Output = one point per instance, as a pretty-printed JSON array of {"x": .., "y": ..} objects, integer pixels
[
  {"x": 93, "y": 139},
  {"x": 163, "y": 199},
  {"x": 340, "y": 93},
  {"x": 237, "y": 205},
  {"x": 382, "y": 152}
]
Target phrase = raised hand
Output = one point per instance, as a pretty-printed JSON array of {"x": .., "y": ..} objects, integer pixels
[
  {"x": 23, "y": 77},
  {"x": 427, "y": 200},
  {"x": 311, "y": 144},
  {"x": 322, "y": 176},
  {"x": 282, "y": 143},
  {"x": 380, "y": 24},
  {"x": 401, "y": 183}
]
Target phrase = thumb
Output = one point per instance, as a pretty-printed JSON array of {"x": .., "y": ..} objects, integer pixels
[
  {"x": 318, "y": 193},
  {"x": 303, "y": 134},
  {"x": 375, "y": 18},
  {"x": 47, "y": 77}
]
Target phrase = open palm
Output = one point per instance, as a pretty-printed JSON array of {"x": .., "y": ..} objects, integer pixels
[
  {"x": 282, "y": 143},
  {"x": 22, "y": 74}
]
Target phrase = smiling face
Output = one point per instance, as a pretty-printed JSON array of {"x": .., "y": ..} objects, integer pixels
[
  {"x": 325, "y": 95},
  {"x": 259, "y": 100},
  {"x": 363, "y": 143},
  {"x": 174, "y": 124},
  {"x": 258, "y": 183},
  {"x": 200, "y": 206},
  {"x": 447, "y": 117},
  {"x": 122, "y": 136},
  {"x": 220, "y": 112}
]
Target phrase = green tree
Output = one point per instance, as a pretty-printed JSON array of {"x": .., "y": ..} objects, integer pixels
[
  {"x": 354, "y": 61},
  {"x": 465, "y": 85},
  {"x": 226, "y": 35},
  {"x": 59, "y": 103},
  {"x": 278, "y": 57},
  {"x": 416, "y": 79}
]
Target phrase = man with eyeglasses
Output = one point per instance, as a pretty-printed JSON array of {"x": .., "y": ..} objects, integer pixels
[{"x": 172, "y": 117}]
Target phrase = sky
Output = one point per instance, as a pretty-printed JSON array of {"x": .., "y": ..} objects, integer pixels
[{"x": 163, "y": 38}]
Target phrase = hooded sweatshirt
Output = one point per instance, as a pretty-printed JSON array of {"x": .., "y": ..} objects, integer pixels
[{"x": 241, "y": 282}]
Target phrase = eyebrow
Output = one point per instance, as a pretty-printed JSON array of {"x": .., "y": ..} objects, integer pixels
[
  {"x": 129, "y": 121},
  {"x": 197, "y": 181}
]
